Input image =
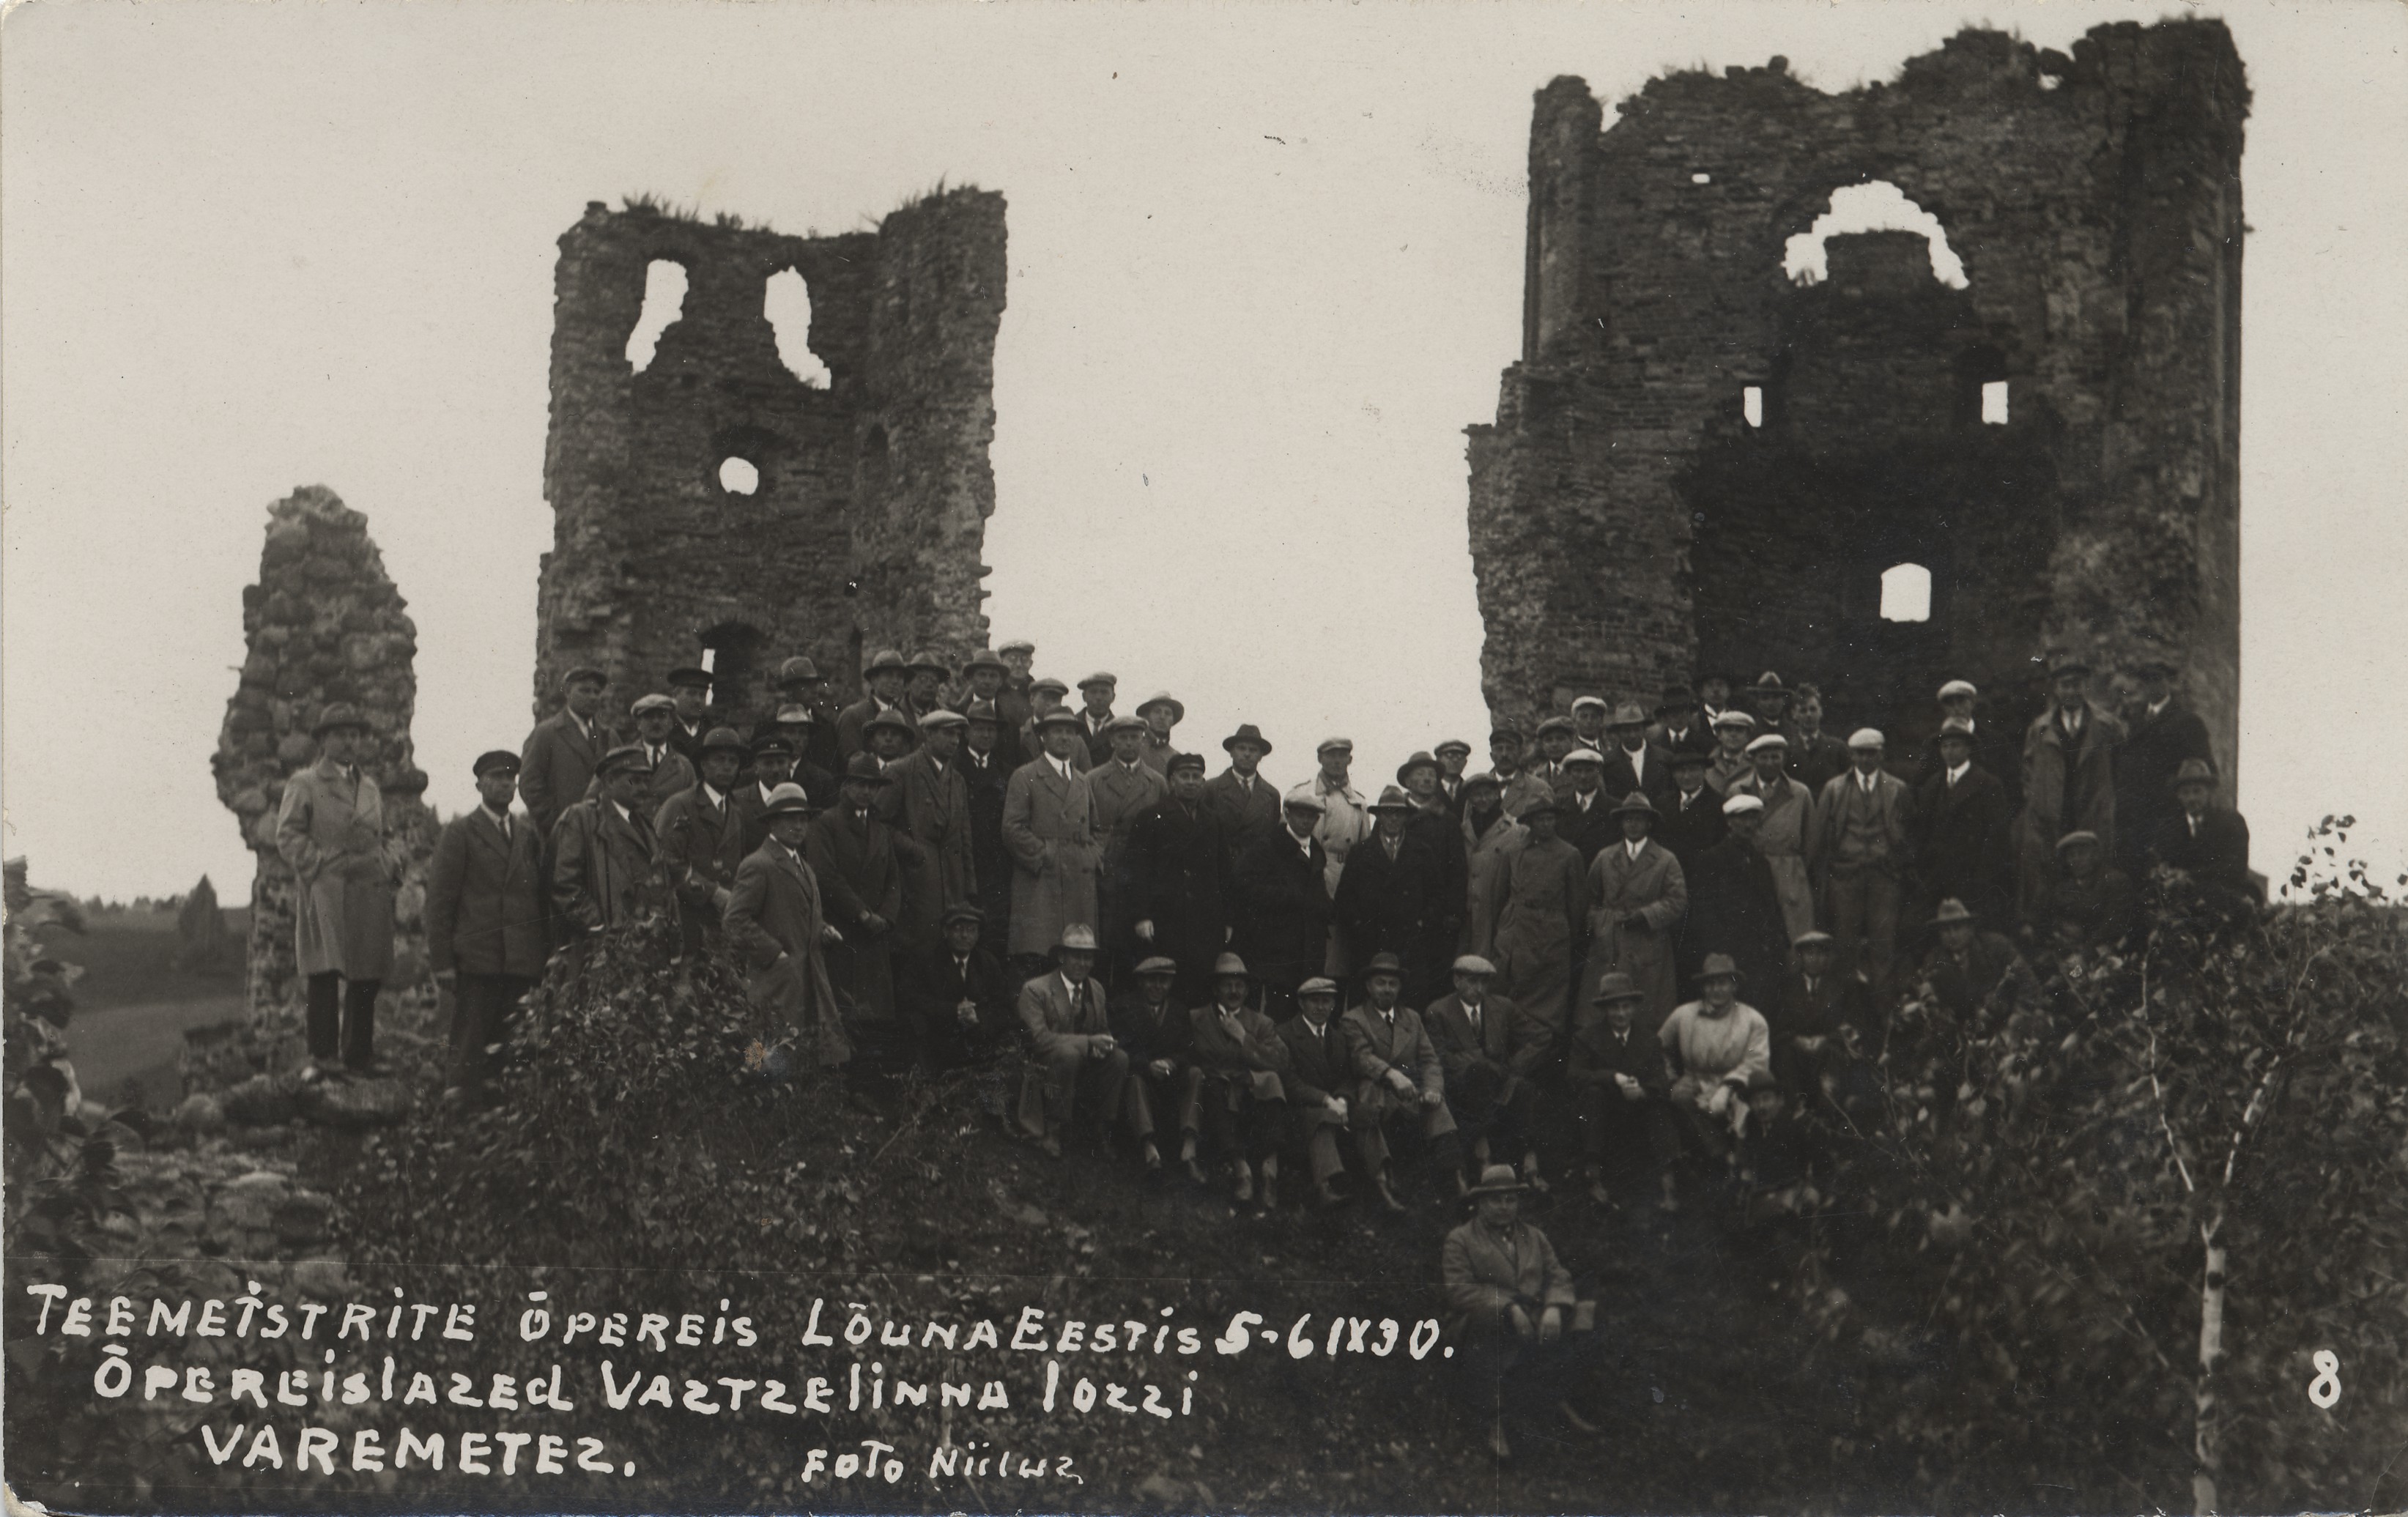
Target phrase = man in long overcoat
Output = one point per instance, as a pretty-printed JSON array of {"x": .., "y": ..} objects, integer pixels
[
  {"x": 1734, "y": 904},
  {"x": 700, "y": 835},
  {"x": 557, "y": 762},
  {"x": 1281, "y": 907},
  {"x": 1544, "y": 923},
  {"x": 1637, "y": 896},
  {"x": 2163, "y": 732},
  {"x": 1788, "y": 828},
  {"x": 776, "y": 924},
  {"x": 1246, "y": 803},
  {"x": 603, "y": 850},
  {"x": 1396, "y": 895},
  {"x": 1049, "y": 827},
  {"x": 1491, "y": 840},
  {"x": 852, "y": 855},
  {"x": 987, "y": 774},
  {"x": 1961, "y": 815},
  {"x": 1241, "y": 1101},
  {"x": 331, "y": 828},
  {"x": 1125, "y": 788},
  {"x": 2068, "y": 780},
  {"x": 485, "y": 917},
  {"x": 1693, "y": 815},
  {"x": 1584, "y": 807},
  {"x": 1172, "y": 885},
  {"x": 936, "y": 808}
]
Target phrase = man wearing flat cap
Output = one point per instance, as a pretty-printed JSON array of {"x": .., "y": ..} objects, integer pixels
[
  {"x": 1125, "y": 789},
  {"x": 690, "y": 711},
  {"x": 1096, "y": 693},
  {"x": 1492, "y": 1051},
  {"x": 1517, "y": 785},
  {"x": 1637, "y": 896},
  {"x": 956, "y": 998},
  {"x": 1789, "y": 824},
  {"x": 1557, "y": 739},
  {"x": 2069, "y": 778},
  {"x": 2161, "y": 734},
  {"x": 1588, "y": 722},
  {"x": 1012, "y": 703},
  {"x": 603, "y": 850},
  {"x": 1046, "y": 696},
  {"x": 1151, "y": 1024},
  {"x": 924, "y": 691},
  {"x": 1345, "y": 815},
  {"x": 1319, "y": 1073},
  {"x": 986, "y": 679},
  {"x": 1543, "y": 923},
  {"x": 347, "y": 862},
  {"x": 1633, "y": 763},
  {"x": 1245, "y": 803},
  {"x": 2091, "y": 905},
  {"x": 1991, "y": 748},
  {"x": 935, "y": 806},
  {"x": 1172, "y": 884},
  {"x": 1584, "y": 807},
  {"x": 1397, "y": 894},
  {"x": 1863, "y": 847},
  {"x": 1049, "y": 829},
  {"x": 485, "y": 932},
  {"x": 1734, "y": 904},
  {"x": 667, "y": 771},
  {"x": 852, "y": 856},
  {"x": 556, "y": 763},
  {"x": 699, "y": 832},
  {"x": 1243, "y": 1101},
  {"x": 1281, "y": 907},
  {"x": 883, "y": 680},
  {"x": 776, "y": 924},
  {"x": 1733, "y": 731}
]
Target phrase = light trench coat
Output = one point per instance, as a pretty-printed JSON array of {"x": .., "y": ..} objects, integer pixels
[{"x": 331, "y": 829}]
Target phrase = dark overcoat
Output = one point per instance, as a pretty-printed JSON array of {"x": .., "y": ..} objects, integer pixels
[{"x": 485, "y": 898}]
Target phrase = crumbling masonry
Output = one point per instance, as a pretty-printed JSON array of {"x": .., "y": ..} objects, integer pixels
[
  {"x": 1637, "y": 514},
  {"x": 855, "y": 512}
]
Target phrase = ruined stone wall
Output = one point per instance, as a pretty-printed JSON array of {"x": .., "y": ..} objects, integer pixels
[
  {"x": 1629, "y": 527},
  {"x": 869, "y": 520},
  {"x": 323, "y": 624}
]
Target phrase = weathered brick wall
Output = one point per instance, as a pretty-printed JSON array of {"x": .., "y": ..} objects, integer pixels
[
  {"x": 869, "y": 520},
  {"x": 1629, "y": 526}
]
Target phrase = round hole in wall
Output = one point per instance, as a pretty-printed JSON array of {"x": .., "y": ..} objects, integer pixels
[{"x": 737, "y": 477}]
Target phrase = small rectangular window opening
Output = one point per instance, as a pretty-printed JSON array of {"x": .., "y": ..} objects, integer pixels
[
  {"x": 1751, "y": 405},
  {"x": 1701, "y": 179},
  {"x": 1994, "y": 402}
]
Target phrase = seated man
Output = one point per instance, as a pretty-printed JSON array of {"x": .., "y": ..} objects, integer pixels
[
  {"x": 1491, "y": 1052},
  {"x": 1074, "y": 1061},
  {"x": 1400, "y": 1083},
  {"x": 1712, "y": 1046},
  {"x": 1512, "y": 1308},
  {"x": 1821, "y": 1021},
  {"x": 1976, "y": 977},
  {"x": 955, "y": 999},
  {"x": 1618, "y": 1086},
  {"x": 1782, "y": 1160},
  {"x": 1319, "y": 1075},
  {"x": 1152, "y": 1029},
  {"x": 1240, "y": 1057},
  {"x": 2084, "y": 890}
]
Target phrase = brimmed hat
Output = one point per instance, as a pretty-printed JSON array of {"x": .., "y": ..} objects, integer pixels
[
  {"x": 651, "y": 703},
  {"x": 1472, "y": 964},
  {"x": 1734, "y": 717},
  {"x": 1391, "y": 799},
  {"x": 1496, "y": 1179},
  {"x": 1767, "y": 742},
  {"x": 1507, "y": 733},
  {"x": 981, "y": 712},
  {"x": 1769, "y": 683},
  {"x": 1683, "y": 758},
  {"x": 2192, "y": 772},
  {"x": 786, "y": 800},
  {"x": 1229, "y": 963},
  {"x": 1956, "y": 726},
  {"x": 584, "y": 671},
  {"x": 1867, "y": 737},
  {"x": 624, "y": 756},
  {"x": 1302, "y": 795},
  {"x": 794, "y": 716},
  {"x": 1616, "y": 985},
  {"x": 1164, "y": 697},
  {"x": 1951, "y": 909},
  {"x": 1762, "y": 1080},
  {"x": 723, "y": 739},
  {"x": 797, "y": 670},
  {"x": 499, "y": 758},
  {"x": 1183, "y": 761},
  {"x": 1077, "y": 937},
  {"x": 1717, "y": 966},
  {"x": 1247, "y": 732},
  {"x": 961, "y": 912},
  {"x": 2064, "y": 664},
  {"x": 890, "y": 718},
  {"x": 1484, "y": 779},
  {"x": 1048, "y": 684},
  {"x": 339, "y": 714},
  {"x": 1157, "y": 965},
  {"x": 1125, "y": 722},
  {"x": 985, "y": 659},
  {"x": 1061, "y": 716},
  {"x": 864, "y": 767},
  {"x": 1098, "y": 678},
  {"x": 1676, "y": 698},
  {"x": 927, "y": 661},
  {"x": 1741, "y": 805},
  {"x": 885, "y": 660},
  {"x": 2075, "y": 838},
  {"x": 1383, "y": 964},
  {"x": 1317, "y": 985},
  {"x": 1546, "y": 803},
  {"x": 769, "y": 743},
  {"x": 1958, "y": 687},
  {"x": 1018, "y": 645},
  {"x": 941, "y": 717},
  {"x": 1630, "y": 714},
  {"x": 1815, "y": 938},
  {"x": 1635, "y": 804},
  {"x": 1455, "y": 743},
  {"x": 1421, "y": 760},
  {"x": 690, "y": 675}
]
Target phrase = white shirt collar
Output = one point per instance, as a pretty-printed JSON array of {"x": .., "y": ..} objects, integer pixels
[
  {"x": 1061, "y": 765},
  {"x": 716, "y": 798},
  {"x": 1634, "y": 847},
  {"x": 1957, "y": 772}
]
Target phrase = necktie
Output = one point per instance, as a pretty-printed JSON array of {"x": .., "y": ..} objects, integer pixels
[{"x": 1475, "y": 1019}]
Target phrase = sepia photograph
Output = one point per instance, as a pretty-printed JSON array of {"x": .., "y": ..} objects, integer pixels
[{"x": 1219, "y": 756}]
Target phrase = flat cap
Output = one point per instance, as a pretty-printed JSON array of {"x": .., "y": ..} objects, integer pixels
[
  {"x": 1123, "y": 723},
  {"x": 1954, "y": 688},
  {"x": 584, "y": 671},
  {"x": 2077, "y": 838},
  {"x": 865, "y": 769},
  {"x": 1453, "y": 744},
  {"x": 941, "y": 717},
  {"x": 1048, "y": 684},
  {"x": 1184, "y": 761},
  {"x": 1867, "y": 737},
  {"x": 1302, "y": 797},
  {"x": 797, "y": 670},
  {"x": 651, "y": 703},
  {"x": 1956, "y": 726},
  {"x": 1317, "y": 985},
  {"x": 624, "y": 756},
  {"x": 1327, "y": 743},
  {"x": 1472, "y": 964},
  {"x": 1583, "y": 755},
  {"x": 499, "y": 758},
  {"x": 723, "y": 739},
  {"x": 960, "y": 912},
  {"x": 1098, "y": 678},
  {"x": 692, "y": 676},
  {"x": 1017, "y": 645},
  {"x": 1770, "y": 740},
  {"x": 1735, "y": 718},
  {"x": 1742, "y": 804},
  {"x": 338, "y": 714},
  {"x": 1586, "y": 701},
  {"x": 794, "y": 716},
  {"x": 1557, "y": 723},
  {"x": 1157, "y": 965}
]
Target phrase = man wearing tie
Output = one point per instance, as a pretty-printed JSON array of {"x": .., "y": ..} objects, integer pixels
[
  {"x": 331, "y": 828},
  {"x": 1636, "y": 763},
  {"x": 484, "y": 922},
  {"x": 556, "y": 764},
  {"x": 1245, "y": 803},
  {"x": 1863, "y": 845},
  {"x": 986, "y": 772},
  {"x": 700, "y": 833},
  {"x": 602, "y": 850},
  {"x": 1096, "y": 716},
  {"x": 776, "y": 928},
  {"x": 1398, "y": 1081},
  {"x": 667, "y": 771},
  {"x": 1049, "y": 829}
]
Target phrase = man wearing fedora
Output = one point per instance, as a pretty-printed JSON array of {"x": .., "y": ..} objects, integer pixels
[
  {"x": 603, "y": 850},
  {"x": 1399, "y": 895},
  {"x": 1151, "y": 1025},
  {"x": 852, "y": 856},
  {"x": 1961, "y": 821},
  {"x": 810, "y": 748},
  {"x": 485, "y": 932},
  {"x": 2161, "y": 734},
  {"x": 1975, "y": 975},
  {"x": 2090, "y": 903},
  {"x": 2207, "y": 841},
  {"x": 1823, "y": 1027},
  {"x": 1240, "y": 1058},
  {"x": 1049, "y": 829},
  {"x": 776, "y": 924},
  {"x": 1245, "y": 803},
  {"x": 690, "y": 711},
  {"x": 956, "y": 998},
  {"x": 986, "y": 677},
  {"x": 924, "y": 690},
  {"x": 347, "y": 863},
  {"x": 1524, "y": 1335},
  {"x": 1678, "y": 727},
  {"x": 1633, "y": 761},
  {"x": 1453, "y": 756},
  {"x": 1319, "y": 1073},
  {"x": 1714, "y": 1046},
  {"x": 1637, "y": 896},
  {"x": 883, "y": 680},
  {"x": 1543, "y": 923},
  {"x": 1862, "y": 848},
  {"x": 2069, "y": 778},
  {"x": 1160, "y": 712},
  {"x": 1172, "y": 887},
  {"x": 1615, "y": 1072},
  {"x": 556, "y": 763},
  {"x": 1768, "y": 700},
  {"x": 699, "y": 832},
  {"x": 1517, "y": 785},
  {"x": 1346, "y": 817},
  {"x": 1075, "y": 1063},
  {"x": 1124, "y": 787},
  {"x": 1399, "y": 1085},
  {"x": 799, "y": 684},
  {"x": 1281, "y": 907},
  {"x": 1693, "y": 813},
  {"x": 1492, "y": 1051}
]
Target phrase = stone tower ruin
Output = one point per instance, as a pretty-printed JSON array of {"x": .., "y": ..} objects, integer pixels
[
  {"x": 738, "y": 497},
  {"x": 1702, "y": 463}
]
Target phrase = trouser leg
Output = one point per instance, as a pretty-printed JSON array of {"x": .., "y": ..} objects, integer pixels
[
  {"x": 1843, "y": 906},
  {"x": 1881, "y": 898},
  {"x": 1321, "y": 1152},
  {"x": 325, "y": 1015},
  {"x": 359, "y": 1021},
  {"x": 481, "y": 1007}
]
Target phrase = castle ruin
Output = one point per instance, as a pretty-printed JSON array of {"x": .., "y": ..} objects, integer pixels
[
  {"x": 733, "y": 498},
  {"x": 1705, "y": 462}
]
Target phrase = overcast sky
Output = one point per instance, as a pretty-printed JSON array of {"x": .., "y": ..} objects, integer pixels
[{"x": 1266, "y": 264}]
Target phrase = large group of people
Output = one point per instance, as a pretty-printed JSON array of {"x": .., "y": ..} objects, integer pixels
[{"x": 1675, "y": 926}]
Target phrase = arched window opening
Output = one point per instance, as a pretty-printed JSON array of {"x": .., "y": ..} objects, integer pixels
[
  {"x": 738, "y": 476},
  {"x": 786, "y": 301},
  {"x": 1906, "y": 593},
  {"x": 664, "y": 301},
  {"x": 1877, "y": 207}
]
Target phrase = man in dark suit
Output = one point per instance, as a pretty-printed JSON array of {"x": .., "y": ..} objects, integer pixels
[
  {"x": 1960, "y": 812},
  {"x": 773, "y": 764},
  {"x": 1619, "y": 1086},
  {"x": 1096, "y": 693},
  {"x": 1734, "y": 905},
  {"x": 1814, "y": 758},
  {"x": 1245, "y": 803},
  {"x": 805, "y": 737},
  {"x": 1320, "y": 1072},
  {"x": 1491, "y": 1052},
  {"x": 1453, "y": 755},
  {"x": 484, "y": 921},
  {"x": 667, "y": 771},
  {"x": 1152, "y": 1029},
  {"x": 1396, "y": 895},
  {"x": 2161, "y": 734},
  {"x": 1398, "y": 1082},
  {"x": 1977, "y": 978},
  {"x": 690, "y": 710},
  {"x": 2206, "y": 841},
  {"x": 602, "y": 851},
  {"x": 1281, "y": 909},
  {"x": 851, "y": 853},
  {"x": 1678, "y": 727},
  {"x": 557, "y": 762},
  {"x": 776, "y": 928},
  {"x": 800, "y": 685},
  {"x": 1583, "y": 810},
  {"x": 1241, "y": 1099},
  {"x": 884, "y": 678},
  {"x": 1822, "y": 1026},
  {"x": 1636, "y": 763},
  {"x": 955, "y": 998},
  {"x": 1994, "y": 747},
  {"x": 1171, "y": 882},
  {"x": 987, "y": 773},
  {"x": 1693, "y": 816},
  {"x": 700, "y": 835},
  {"x": 1074, "y": 1060}
]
